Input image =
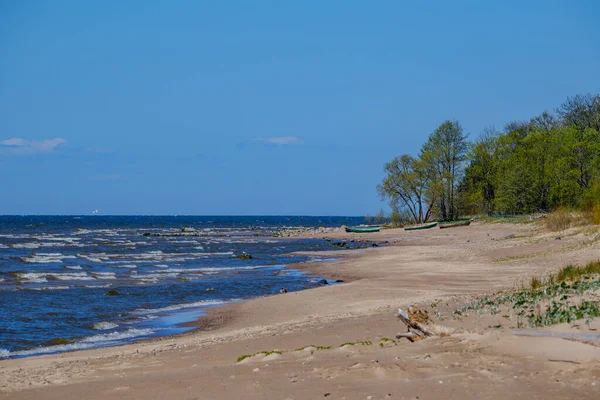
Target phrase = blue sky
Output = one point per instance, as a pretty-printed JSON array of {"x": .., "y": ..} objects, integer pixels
[{"x": 262, "y": 107}]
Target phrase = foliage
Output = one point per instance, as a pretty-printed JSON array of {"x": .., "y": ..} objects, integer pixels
[
  {"x": 407, "y": 187},
  {"x": 558, "y": 300},
  {"x": 421, "y": 186},
  {"x": 548, "y": 162}
]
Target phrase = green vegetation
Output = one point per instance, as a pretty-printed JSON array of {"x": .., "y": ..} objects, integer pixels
[
  {"x": 316, "y": 347},
  {"x": 385, "y": 340},
  {"x": 547, "y": 163},
  {"x": 572, "y": 273},
  {"x": 266, "y": 353},
  {"x": 560, "y": 299},
  {"x": 359, "y": 343}
]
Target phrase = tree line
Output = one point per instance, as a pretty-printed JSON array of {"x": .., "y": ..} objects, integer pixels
[{"x": 550, "y": 161}]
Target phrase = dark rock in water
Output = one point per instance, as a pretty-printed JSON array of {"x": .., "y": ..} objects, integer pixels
[
  {"x": 283, "y": 290},
  {"x": 147, "y": 234},
  {"x": 244, "y": 257},
  {"x": 112, "y": 293},
  {"x": 323, "y": 282},
  {"x": 374, "y": 245},
  {"x": 339, "y": 244},
  {"x": 57, "y": 342},
  {"x": 339, "y": 281}
]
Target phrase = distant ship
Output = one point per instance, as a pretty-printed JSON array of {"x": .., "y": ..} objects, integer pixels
[{"x": 96, "y": 212}]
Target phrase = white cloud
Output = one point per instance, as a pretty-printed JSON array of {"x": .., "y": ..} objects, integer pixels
[
  {"x": 24, "y": 146},
  {"x": 281, "y": 140}
]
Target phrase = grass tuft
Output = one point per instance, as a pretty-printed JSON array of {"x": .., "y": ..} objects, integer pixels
[
  {"x": 559, "y": 220},
  {"x": 316, "y": 347},
  {"x": 266, "y": 353},
  {"x": 361, "y": 343},
  {"x": 572, "y": 273},
  {"x": 535, "y": 283}
]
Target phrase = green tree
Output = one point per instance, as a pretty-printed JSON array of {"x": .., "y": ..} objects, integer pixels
[
  {"x": 406, "y": 187},
  {"x": 478, "y": 188},
  {"x": 444, "y": 154}
]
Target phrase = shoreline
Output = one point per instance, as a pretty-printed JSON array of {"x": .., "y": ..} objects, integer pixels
[{"x": 443, "y": 267}]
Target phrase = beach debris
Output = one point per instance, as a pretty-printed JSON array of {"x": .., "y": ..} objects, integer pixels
[
  {"x": 283, "y": 290},
  {"x": 244, "y": 256},
  {"x": 415, "y": 329},
  {"x": 339, "y": 244},
  {"x": 510, "y": 236}
]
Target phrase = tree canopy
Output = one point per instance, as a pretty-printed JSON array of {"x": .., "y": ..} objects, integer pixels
[{"x": 550, "y": 161}]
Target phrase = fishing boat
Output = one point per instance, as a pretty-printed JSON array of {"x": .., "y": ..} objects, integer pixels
[
  {"x": 363, "y": 229},
  {"x": 456, "y": 224},
  {"x": 421, "y": 227}
]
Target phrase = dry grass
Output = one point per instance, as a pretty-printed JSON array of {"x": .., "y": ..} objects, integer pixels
[
  {"x": 595, "y": 214},
  {"x": 570, "y": 273},
  {"x": 573, "y": 273},
  {"x": 559, "y": 220}
]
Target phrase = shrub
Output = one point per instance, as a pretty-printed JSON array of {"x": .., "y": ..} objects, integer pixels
[
  {"x": 596, "y": 214},
  {"x": 559, "y": 220}
]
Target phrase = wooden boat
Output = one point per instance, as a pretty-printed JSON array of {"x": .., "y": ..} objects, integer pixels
[
  {"x": 421, "y": 227},
  {"x": 456, "y": 224},
  {"x": 363, "y": 229}
]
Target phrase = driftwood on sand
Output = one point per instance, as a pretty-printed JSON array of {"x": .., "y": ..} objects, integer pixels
[{"x": 415, "y": 330}]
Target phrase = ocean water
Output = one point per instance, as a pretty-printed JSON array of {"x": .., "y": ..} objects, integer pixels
[{"x": 69, "y": 282}]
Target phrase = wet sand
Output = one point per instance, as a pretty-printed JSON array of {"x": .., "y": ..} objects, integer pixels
[{"x": 450, "y": 266}]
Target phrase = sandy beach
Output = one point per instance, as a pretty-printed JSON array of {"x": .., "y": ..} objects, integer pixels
[{"x": 338, "y": 341}]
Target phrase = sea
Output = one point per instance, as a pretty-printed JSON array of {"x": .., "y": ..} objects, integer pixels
[{"x": 80, "y": 282}]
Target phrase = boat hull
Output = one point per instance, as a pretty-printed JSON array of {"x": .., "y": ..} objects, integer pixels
[
  {"x": 456, "y": 225},
  {"x": 366, "y": 229},
  {"x": 422, "y": 227}
]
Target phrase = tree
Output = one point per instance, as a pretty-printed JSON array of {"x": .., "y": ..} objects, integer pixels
[
  {"x": 581, "y": 111},
  {"x": 478, "y": 188},
  {"x": 406, "y": 187},
  {"x": 444, "y": 154}
]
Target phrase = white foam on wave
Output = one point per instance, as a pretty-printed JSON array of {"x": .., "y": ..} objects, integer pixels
[
  {"x": 26, "y": 245},
  {"x": 218, "y": 269},
  {"x": 49, "y": 288},
  {"x": 104, "y": 326},
  {"x": 203, "y": 303},
  {"x": 3, "y": 247},
  {"x": 42, "y": 277},
  {"x": 4, "y": 353},
  {"x": 161, "y": 266},
  {"x": 100, "y": 340},
  {"x": 97, "y": 258},
  {"x": 105, "y": 275},
  {"x": 33, "y": 277},
  {"x": 124, "y": 266},
  {"x": 72, "y": 267},
  {"x": 43, "y": 258},
  {"x": 72, "y": 276}
]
